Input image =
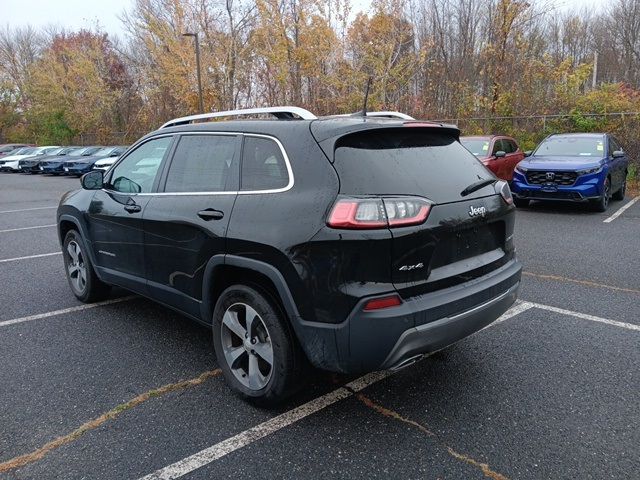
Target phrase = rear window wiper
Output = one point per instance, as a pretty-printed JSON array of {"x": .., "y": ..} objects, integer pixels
[{"x": 477, "y": 186}]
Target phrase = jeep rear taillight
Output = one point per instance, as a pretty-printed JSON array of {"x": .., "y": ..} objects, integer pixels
[
  {"x": 503, "y": 189},
  {"x": 371, "y": 213}
]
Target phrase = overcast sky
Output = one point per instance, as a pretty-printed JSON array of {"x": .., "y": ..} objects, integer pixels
[{"x": 76, "y": 14}]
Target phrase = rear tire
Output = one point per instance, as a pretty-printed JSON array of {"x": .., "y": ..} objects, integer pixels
[
  {"x": 84, "y": 282},
  {"x": 521, "y": 202},
  {"x": 619, "y": 195},
  {"x": 256, "y": 349}
]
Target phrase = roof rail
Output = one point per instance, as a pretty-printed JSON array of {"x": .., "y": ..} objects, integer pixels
[
  {"x": 384, "y": 114},
  {"x": 283, "y": 113},
  {"x": 388, "y": 114}
]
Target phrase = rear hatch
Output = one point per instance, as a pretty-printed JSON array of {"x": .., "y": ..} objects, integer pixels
[{"x": 464, "y": 235}]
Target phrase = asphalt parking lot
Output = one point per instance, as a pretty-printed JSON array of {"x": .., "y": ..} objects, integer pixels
[{"x": 127, "y": 388}]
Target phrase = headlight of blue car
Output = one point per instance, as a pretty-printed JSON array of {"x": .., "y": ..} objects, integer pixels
[
  {"x": 589, "y": 171},
  {"x": 521, "y": 169}
]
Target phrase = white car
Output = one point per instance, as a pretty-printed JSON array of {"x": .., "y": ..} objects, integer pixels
[
  {"x": 10, "y": 163},
  {"x": 105, "y": 163}
]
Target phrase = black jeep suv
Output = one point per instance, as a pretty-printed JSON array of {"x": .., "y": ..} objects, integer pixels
[{"x": 354, "y": 243}]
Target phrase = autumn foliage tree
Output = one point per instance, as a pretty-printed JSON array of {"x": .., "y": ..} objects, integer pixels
[{"x": 441, "y": 59}]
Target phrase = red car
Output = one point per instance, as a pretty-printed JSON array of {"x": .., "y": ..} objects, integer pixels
[{"x": 499, "y": 153}]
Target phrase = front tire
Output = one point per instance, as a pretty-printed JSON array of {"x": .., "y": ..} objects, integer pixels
[
  {"x": 601, "y": 204},
  {"x": 84, "y": 282},
  {"x": 255, "y": 347},
  {"x": 521, "y": 202}
]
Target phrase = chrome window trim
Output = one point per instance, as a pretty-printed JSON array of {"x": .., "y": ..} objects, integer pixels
[{"x": 287, "y": 162}]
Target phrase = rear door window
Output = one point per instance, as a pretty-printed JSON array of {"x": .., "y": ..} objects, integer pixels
[
  {"x": 408, "y": 161},
  {"x": 202, "y": 163},
  {"x": 263, "y": 165}
]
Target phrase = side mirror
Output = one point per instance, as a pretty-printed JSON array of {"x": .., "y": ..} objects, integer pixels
[
  {"x": 618, "y": 154},
  {"x": 500, "y": 154},
  {"x": 528, "y": 153},
  {"x": 94, "y": 180}
]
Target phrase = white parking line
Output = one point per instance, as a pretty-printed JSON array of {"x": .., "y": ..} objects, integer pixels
[
  {"x": 27, "y": 209},
  {"x": 27, "y": 228},
  {"x": 29, "y": 256},
  {"x": 519, "y": 307},
  {"x": 621, "y": 210},
  {"x": 264, "y": 429},
  {"x": 54, "y": 313},
  {"x": 585, "y": 316},
  {"x": 225, "y": 447}
]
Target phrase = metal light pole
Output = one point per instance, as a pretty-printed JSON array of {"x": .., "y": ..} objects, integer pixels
[{"x": 195, "y": 35}]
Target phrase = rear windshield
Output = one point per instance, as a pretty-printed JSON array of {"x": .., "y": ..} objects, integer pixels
[
  {"x": 572, "y": 146},
  {"x": 478, "y": 146},
  {"x": 408, "y": 161}
]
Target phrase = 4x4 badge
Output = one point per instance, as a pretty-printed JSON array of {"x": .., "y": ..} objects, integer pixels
[
  {"x": 406, "y": 268},
  {"x": 475, "y": 211}
]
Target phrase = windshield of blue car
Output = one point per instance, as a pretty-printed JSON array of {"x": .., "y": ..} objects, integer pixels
[
  {"x": 55, "y": 151},
  {"x": 571, "y": 146},
  {"x": 478, "y": 146}
]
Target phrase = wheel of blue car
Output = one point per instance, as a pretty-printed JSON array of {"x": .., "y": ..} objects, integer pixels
[
  {"x": 255, "y": 347},
  {"x": 619, "y": 195},
  {"x": 602, "y": 203},
  {"x": 84, "y": 283}
]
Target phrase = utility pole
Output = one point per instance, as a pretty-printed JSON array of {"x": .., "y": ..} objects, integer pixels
[
  {"x": 200, "y": 102},
  {"x": 594, "y": 79}
]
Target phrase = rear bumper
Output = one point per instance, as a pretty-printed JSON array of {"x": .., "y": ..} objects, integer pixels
[
  {"x": 390, "y": 338},
  {"x": 441, "y": 333}
]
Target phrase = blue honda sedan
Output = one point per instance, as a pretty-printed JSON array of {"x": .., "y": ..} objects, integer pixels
[{"x": 576, "y": 167}]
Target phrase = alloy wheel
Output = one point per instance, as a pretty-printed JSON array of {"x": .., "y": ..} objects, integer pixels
[
  {"x": 76, "y": 267},
  {"x": 247, "y": 346}
]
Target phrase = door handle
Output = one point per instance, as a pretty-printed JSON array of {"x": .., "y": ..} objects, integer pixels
[
  {"x": 132, "y": 208},
  {"x": 210, "y": 214}
]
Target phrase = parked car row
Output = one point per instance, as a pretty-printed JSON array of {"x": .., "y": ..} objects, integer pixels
[
  {"x": 56, "y": 160},
  {"x": 575, "y": 167}
]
